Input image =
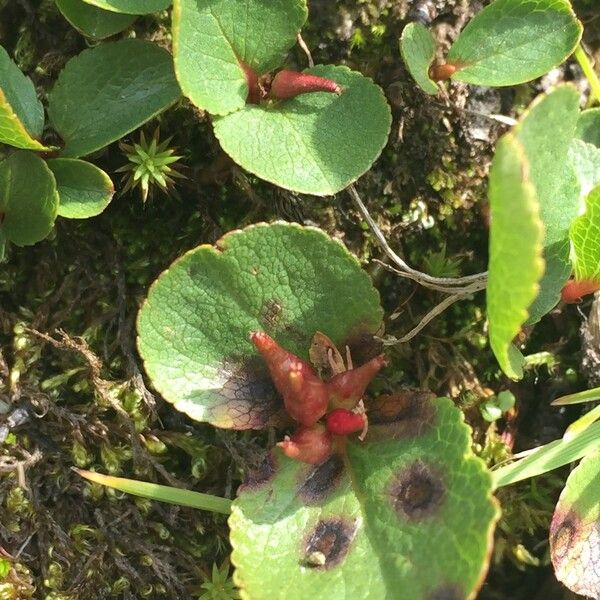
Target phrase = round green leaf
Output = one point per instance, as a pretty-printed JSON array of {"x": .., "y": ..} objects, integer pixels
[
  {"x": 407, "y": 515},
  {"x": 575, "y": 530},
  {"x": 108, "y": 91},
  {"x": 588, "y": 126},
  {"x": 585, "y": 160},
  {"x": 585, "y": 238},
  {"x": 316, "y": 143},
  {"x": 417, "y": 47},
  {"x": 515, "y": 264},
  {"x": 211, "y": 37},
  {"x": 546, "y": 132},
  {"x": 131, "y": 7},
  {"x": 21, "y": 113},
  {"x": 284, "y": 279},
  {"x": 91, "y": 21},
  {"x": 28, "y": 199},
  {"x": 513, "y": 41},
  {"x": 84, "y": 189}
]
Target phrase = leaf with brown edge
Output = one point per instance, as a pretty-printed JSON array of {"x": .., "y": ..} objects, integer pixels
[
  {"x": 406, "y": 515},
  {"x": 575, "y": 530},
  {"x": 284, "y": 279}
]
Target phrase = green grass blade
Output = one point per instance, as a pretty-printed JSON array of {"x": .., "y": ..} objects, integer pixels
[
  {"x": 582, "y": 423},
  {"x": 549, "y": 457},
  {"x": 163, "y": 493},
  {"x": 578, "y": 398}
]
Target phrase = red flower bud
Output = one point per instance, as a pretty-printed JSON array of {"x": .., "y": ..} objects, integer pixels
[
  {"x": 347, "y": 388},
  {"x": 344, "y": 422},
  {"x": 574, "y": 290},
  {"x": 305, "y": 396},
  {"x": 442, "y": 72},
  {"x": 289, "y": 84},
  {"x": 308, "y": 444}
]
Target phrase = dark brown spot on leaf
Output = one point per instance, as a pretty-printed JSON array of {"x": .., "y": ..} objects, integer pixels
[
  {"x": 321, "y": 480},
  {"x": 271, "y": 313},
  {"x": 328, "y": 543},
  {"x": 447, "y": 591},
  {"x": 260, "y": 475},
  {"x": 563, "y": 531},
  {"x": 417, "y": 492},
  {"x": 407, "y": 414},
  {"x": 249, "y": 399}
]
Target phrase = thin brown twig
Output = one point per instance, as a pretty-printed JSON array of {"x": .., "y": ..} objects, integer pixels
[{"x": 302, "y": 44}]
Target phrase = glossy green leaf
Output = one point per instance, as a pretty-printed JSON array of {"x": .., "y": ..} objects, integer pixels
[
  {"x": 513, "y": 41},
  {"x": 578, "y": 397},
  {"x": 588, "y": 126},
  {"x": 91, "y": 21},
  {"x": 575, "y": 530},
  {"x": 418, "y": 51},
  {"x": 407, "y": 515},
  {"x": 211, "y": 37},
  {"x": 585, "y": 160},
  {"x": 515, "y": 264},
  {"x": 21, "y": 113},
  {"x": 549, "y": 456},
  {"x": 131, "y": 7},
  {"x": 84, "y": 189},
  {"x": 546, "y": 132},
  {"x": 28, "y": 199},
  {"x": 284, "y": 279},
  {"x": 162, "y": 493},
  {"x": 108, "y": 91},
  {"x": 316, "y": 143},
  {"x": 585, "y": 239}
]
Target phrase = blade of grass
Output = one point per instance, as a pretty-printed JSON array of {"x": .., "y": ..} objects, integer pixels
[
  {"x": 579, "y": 397},
  {"x": 163, "y": 493},
  {"x": 589, "y": 72},
  {"x": 582, "y": 423},
  {"x": 550, "y": 456}
]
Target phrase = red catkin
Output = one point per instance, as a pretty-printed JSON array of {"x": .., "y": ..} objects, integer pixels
[
  {"x": 347, "y": 388},
  {"x": 289, "y": 84},
  {"x": 308, "y": 444},
  {"x": 442, "y": 72},
  {"x": 304, "y": 394},
  {"x": 574, "y": 290},
  {"x": 344, "y": 422}
]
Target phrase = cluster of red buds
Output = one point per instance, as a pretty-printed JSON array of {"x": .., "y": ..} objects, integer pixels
[
  {"x": 308, "y": 399},
  {"x": 285, "y": 85}
]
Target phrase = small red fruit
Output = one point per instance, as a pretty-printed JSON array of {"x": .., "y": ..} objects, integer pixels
[
  {"x": 304, "y": 394},
  {"x": 308, "y": 444},
  {"x": 289, "y": 84},
  {"x": 344, "y": 422},
  {"x": 347, "y": 388},
  {"x": 574, "y": 290}
]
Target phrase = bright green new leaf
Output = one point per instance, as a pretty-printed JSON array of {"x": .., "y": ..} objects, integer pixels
[
  {"x": 131, "y": 7},
  {"x": 211, "y": 37},
  {"x": 284, "y": 279},
  {"x": 28, "y": 199},
  {"x": 406, "y": 515},
  {"x": 546, "y": 132},
  {"x": 108, "y": 91},
  {"x": 21, "y": 113},
  {"x": 550, "y": 456},
  {"x": 515, "y": 264},
  {"x": 575, "y": 530},
  {"x": 162, "y": 493},
  {"x": 513, "y": 41},
  {"x": 418, "y": 51},
  {"x": 585, "y": 239},
  {"x": 91, "y": 21},
  {"x": 585, "y": 160},
  {"x": 588, "y": 126},
  {"x": 84, "y": 189},
  {"x": 316, "y": 143}
]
